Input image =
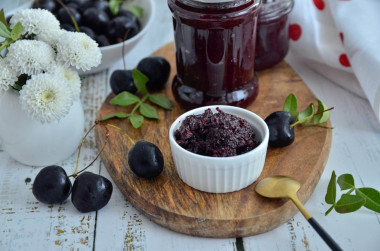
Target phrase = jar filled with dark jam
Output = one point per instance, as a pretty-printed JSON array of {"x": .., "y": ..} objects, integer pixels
[
  {"x": 215, "y": 51},
  {"x": 272, "y": 41}
]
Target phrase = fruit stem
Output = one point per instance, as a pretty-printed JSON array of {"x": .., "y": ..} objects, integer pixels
[
  {"x": 122, "y": 49},
  {"x": 118, "y": 128},
  {"x": 75, "y": 174},
  {"x": 71, "y": 15},
  {"x": 79, "y": 149}
]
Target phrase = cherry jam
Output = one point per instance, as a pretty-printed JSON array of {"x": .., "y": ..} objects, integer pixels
[
  {"x": 217, "y": 134},
  {"x": 215, "y": 51},
  {"x": 272, "y": 41}
]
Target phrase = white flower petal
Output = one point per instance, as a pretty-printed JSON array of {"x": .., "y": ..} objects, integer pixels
[
  {"x": 39, "y": 22},
  {"x": 7, "y": 76},
  {"x": 46, "y": 97},
  {"x": 30, "y": 56},
  {"x": 70, "y": 76},
  {"x": 78, "y": 50}
]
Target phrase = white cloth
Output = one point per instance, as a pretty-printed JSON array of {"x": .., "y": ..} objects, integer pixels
[{"x": 341, "y": 40}]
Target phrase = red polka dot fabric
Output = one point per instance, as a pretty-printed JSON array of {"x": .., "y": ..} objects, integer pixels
[
  {"x": 340, "y": 40},
  {"x": 320, "y": 4}
]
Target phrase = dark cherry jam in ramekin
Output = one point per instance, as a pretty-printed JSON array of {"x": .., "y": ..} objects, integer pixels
[{"x": 217, "y": 134}]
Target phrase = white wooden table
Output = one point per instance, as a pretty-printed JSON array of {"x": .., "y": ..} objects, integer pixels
[{"x": 26, "y": 224}]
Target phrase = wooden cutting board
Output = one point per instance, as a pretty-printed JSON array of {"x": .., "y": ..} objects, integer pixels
[{"x": 171, "y": 203}]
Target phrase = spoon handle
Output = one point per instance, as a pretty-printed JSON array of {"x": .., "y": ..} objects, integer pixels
[{"x": 324, "y": 235}]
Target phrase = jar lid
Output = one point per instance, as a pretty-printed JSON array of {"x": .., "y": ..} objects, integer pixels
[{"x": 272, "y": 9}]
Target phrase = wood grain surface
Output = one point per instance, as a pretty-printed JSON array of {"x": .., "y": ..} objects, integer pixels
[{"x": 169, "y": 202}]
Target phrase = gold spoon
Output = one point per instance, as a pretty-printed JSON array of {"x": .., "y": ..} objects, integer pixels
[{"x": 286, "y": 187}]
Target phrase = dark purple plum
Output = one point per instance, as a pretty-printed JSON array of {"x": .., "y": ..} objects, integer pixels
[
  {"x": 51, "y": 185},
  {"x": 145, "y": 159},
  {"x": 122, "y": 80},
  {"x": 157, "y": 69},
  {"x": 280, "y": 133},
  {"x": 91, "y": 192}
]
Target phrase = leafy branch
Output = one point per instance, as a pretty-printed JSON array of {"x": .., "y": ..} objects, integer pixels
[
  {"x": 125, "y": 99},
  {"x": 366, "y": 196},
  {"x": 309, "y": 116},
  {"x": 10, "y": 35}
]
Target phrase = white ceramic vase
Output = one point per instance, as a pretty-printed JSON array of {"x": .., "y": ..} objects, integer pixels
[{"x": 34, "y": 143}]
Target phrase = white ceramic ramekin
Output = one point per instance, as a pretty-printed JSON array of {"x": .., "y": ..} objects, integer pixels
[{"x": 221, "y": 174}]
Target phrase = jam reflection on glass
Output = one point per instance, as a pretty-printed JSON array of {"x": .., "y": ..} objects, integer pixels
[
  {"x": 272, "y": 40},
  {"x": 215, "y": 49}
]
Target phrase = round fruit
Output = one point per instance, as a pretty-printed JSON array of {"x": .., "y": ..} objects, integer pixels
[
  {"x": 50, "y": 5},
  {"x": 68, "y": 27},
  {"x": 122, "y": 80},
  {"x": 91, "y": 192},
  {"x": 96, "y": 19},
  {"x": 51, "y": 185},
  {"x": 145, "y": 159},
  {"x": 102, "y": 40},
  {"x": 280, "y": 133},
  {"x": 122, "y": 25},
  {"x": 88, "y": 31},
  {"x": 157, "y": 69},
  {"x": 64, "y": 17}
]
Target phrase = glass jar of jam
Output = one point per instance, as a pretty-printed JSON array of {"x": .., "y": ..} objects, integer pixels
[
  {"x": 215, "y": 50},
  {"x": 272, "y": 41}
]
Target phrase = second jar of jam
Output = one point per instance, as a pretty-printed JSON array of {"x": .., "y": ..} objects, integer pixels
[
  {"x": 215, "y": 50},
  {"x": 272, "y": 41}
]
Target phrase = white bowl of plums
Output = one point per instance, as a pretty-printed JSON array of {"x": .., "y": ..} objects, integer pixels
[
  {"x": 219, "y": 149},
  {"x": 111, "y": 24}
]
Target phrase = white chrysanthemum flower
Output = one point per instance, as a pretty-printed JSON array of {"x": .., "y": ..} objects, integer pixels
[
  {"x": 78, "y": 50},
  {"x": 7, "y": 76},
  {"x": 30, "y": 56},
  {"x": 70, "y": 75},
  {"x": 39, "y": 22},
  {"x": 46, "y": 97}
]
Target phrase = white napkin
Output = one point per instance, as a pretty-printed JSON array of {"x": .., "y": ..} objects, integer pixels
[{"x": 341, "y": 40}]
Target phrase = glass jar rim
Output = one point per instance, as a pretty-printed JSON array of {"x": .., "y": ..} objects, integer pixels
[{"x": 274, "y": 9}]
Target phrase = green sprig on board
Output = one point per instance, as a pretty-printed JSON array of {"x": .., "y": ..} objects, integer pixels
[
  {"x": 309, "y": 116},
  {"x": 125, "y": 99},
  {"x": 366, "y": 196}
]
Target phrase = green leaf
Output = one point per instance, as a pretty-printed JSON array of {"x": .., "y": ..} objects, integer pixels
[
  {"x": 161, "y": 100},
  {"x": 2, "y": 18},
  {"x": 120, "y": 115},
  {"x": 136, "y": 10},
  {"x": 330, "y": 197},
  {"x": 321, "y": 117},
  {"x": 136, "y": 120},
  {"x": 306, "y": 115},
  {"x": 16, "y": 31},
  {"x": 349, "y": 203},
  {"x": 124, "y": 99},
  {"x": 291, "y": 106},
  {"x": 140, "y": 81},
  {"x": 372, "y": 197},
  {"x": 114, "y": 6},
  {"x": 346, "y": 181},
  {"x": 148, "y": 111},
  {"x": 4, "y": 31}
]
